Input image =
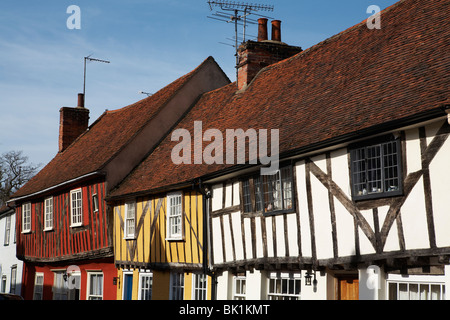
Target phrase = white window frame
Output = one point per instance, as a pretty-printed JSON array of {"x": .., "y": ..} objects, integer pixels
[
  {"x": 48, "y": 214},
  {"x": 95, "y": 295},
  {"x": 95, "y": 202},
  {"x": 13, "y": 283},
  {"x": 284, "y": 280},
  {"x": 76, "y": 211},
  {"x": 239, "y": 282},
  {"x": 3, "y": 283},
  {"x": 26, "y": 217},
  {"x": 415, "y": 280},
  {"x": 38, "y": 291},
  {"x": 130, "y": 220},
  {"x": 142, "y": 293},
  {"x": 199, "y": 286},
  {"x": 7, "y": 229},
  {"x": 176, "y": 286},
  {"x": 174, "y": 223}
]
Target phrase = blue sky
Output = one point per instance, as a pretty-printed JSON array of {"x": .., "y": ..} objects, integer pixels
[{"x": 150, "y": 43}]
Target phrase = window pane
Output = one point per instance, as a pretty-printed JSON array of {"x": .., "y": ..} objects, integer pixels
[{"x": 246, "y": 196}]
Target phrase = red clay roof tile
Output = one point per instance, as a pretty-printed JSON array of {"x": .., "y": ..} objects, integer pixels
[{"x": 358, "y": 79}]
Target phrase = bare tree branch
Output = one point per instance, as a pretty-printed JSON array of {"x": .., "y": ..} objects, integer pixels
[{"x": 14, "y": 173}]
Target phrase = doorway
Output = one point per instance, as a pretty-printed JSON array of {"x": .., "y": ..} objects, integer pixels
[
  {"x": 348, "y": 288},
  {"x": 128, "y": 286}
]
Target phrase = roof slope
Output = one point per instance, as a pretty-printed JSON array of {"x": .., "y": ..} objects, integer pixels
[
  {"x": 103, "y": 140},
  {"x": 356, "y": 80}
]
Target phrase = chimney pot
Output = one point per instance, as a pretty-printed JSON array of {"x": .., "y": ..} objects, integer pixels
[
  {"x": 80, "y": 100},
  {"x": 276, "y": 30},
  {"x": 262, "y": 29}
]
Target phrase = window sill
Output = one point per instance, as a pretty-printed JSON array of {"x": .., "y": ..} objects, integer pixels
[
  {"x": 174, "y": 239},
  {"x": 76, "y": 225},
  {"x": 48, "y": 229},
  {"x": 375, "y": 196},
  {"x": 129, "y": 238}
]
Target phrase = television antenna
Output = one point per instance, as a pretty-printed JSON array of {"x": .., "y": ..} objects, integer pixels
[
  {"x": 240, "y": 13},
  {"x": 88, "y": 58}
]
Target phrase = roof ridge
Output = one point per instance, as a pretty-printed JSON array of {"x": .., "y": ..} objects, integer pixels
[{"x": 326, "y": 41}]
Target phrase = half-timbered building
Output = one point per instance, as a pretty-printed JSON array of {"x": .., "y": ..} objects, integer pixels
[
  {"x": 357, "y": 207},
  {"x": 64, "y": 226}
]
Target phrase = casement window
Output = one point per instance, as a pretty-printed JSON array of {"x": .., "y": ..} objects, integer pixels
[
  {"x": 60, "y": 289},
  {"x": 76, "y": 208},
  {"x": 199, "y": 286},
  {"x": 174, "y": 216},
  {"x": 95, "y": 202},
  {"x": 416, "y": 288},
  {"x": 38, "y": 291},
  {"x": 130, "y": 220},
  {"x": 376, "y": 170},
  {"x": 240, "y": 284},
  {"x": 271, "y": 193},
  {"x": 95, "y": 286},
  {"x": 284, "y": 286},
  {"x": 145, "y": 285},
  {"x": 7, "y": 229},
  {"x": 26, "y": 217},
  {"x": 48, "y": 214},
  {"x": 176, "y": 286}
]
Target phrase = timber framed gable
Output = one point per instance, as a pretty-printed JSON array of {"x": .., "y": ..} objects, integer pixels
[{"x": 328, "y": 227}]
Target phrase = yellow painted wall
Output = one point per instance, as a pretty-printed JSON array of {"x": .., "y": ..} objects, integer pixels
[
  {"x": 150, "y": 244},
  {"x": 151, "y": 222}
]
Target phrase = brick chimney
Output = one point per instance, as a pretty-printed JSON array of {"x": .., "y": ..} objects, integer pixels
[
  {"x": 255, "y": 55},
  {"x": 72, "y": 123}
]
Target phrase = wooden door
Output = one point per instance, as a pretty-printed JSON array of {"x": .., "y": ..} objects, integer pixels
[{"x": 348, "y": 288}]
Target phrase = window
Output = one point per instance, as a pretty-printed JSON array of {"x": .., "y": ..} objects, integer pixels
[
  {"x": 48, "y": 209},
  {"x": 38, "y": 286},
  {"x": 3, "y": 288},
  {"x": 284, "y": 286},
  {"x": 95, "y": 202},
  {"x": 130, "y": 218},
  {"x": 60, "y": 290},
  {"x": 272, "y": 193},
  {"x": 26, "y": 217},
  {"x": 12, "y": 288},
  {"x": 76, "y": 210},
  {"x": 95, "y": 286},
  {"x": 416, "y": 290},
  {"x": 174, "y": 216},
  {"x": 7, "y": 229},
  {"x": 200, "y": 286},
  {"x": 240, "y": 283},
  {"x": 176, "y": 286},
  {"x": 376, "y": 170},
  {"x": 145, "y": 285}
]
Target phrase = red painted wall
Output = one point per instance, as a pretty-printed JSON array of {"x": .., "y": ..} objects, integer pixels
[
  {"x": 106, "y": 266},
  {"x": 65, "y": 240}
]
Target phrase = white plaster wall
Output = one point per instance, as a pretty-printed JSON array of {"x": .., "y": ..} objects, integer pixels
[
  {"x": 440, "y": 193},
  {"x": 8, "y": 255},
  {"x": 217, "y": 196},
  {"x": 217, "y": 241},
  {"x": 303, "y": 210}
]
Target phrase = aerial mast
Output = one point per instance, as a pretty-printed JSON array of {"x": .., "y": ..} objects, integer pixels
[{"x": 240, "y": 16}]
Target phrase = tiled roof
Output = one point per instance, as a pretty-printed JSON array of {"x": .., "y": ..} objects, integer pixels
[
  {"x": 102, "y": 141},
  {"x": 359, "y": 79}
]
